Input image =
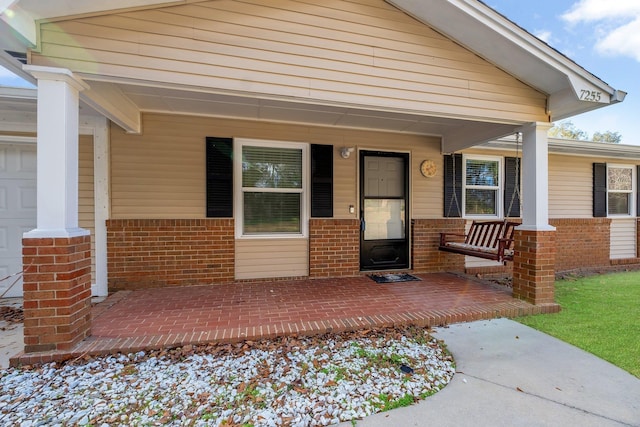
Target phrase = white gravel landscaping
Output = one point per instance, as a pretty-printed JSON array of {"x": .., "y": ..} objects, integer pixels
[{"x": 310, "y": 381}]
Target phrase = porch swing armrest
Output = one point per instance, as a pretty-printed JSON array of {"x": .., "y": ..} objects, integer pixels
[{"x": 505, "y": 249}]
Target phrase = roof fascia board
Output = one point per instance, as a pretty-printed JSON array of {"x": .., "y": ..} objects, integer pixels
[
  {"x": 15, "y": 66},
  {"x": 18, "y": 93},
  {"x": 575, "y": 148}
]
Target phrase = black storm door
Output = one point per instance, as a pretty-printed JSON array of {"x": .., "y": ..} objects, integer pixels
[{"x": 384, "y": 205}]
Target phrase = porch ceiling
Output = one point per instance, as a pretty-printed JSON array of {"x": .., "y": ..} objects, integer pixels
[
  {"x": 19, "y": 106},
  {"x": 178, "y": 101}
]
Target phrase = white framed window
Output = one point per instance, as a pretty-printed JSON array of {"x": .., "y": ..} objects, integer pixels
[
  {"x": 482, "y": 183},
  {"x": 620, "y": 190},
  {"x": 271, "y": 188}
]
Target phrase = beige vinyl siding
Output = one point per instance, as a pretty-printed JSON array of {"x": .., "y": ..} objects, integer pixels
[
  {"x": 161, "y": 174},
  {"x": 86, "y": 201},
  {"x": 265, "y": 258},
  {"x": 427, "y": 195},
  {"x": 570, "y": 186},
  {"x": 365, "y": 52},
  {"x": 623, "y": 238}
]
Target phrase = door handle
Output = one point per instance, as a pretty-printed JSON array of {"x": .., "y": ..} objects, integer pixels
[{"x": 363, "y": 224}]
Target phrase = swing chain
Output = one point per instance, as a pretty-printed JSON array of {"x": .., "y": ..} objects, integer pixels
[
  {"x": 453, "y": 188},
  {"x": 516, "y": 190}
]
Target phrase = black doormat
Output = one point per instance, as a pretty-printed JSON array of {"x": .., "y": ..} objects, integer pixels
[{"x": 393, "y": 278}]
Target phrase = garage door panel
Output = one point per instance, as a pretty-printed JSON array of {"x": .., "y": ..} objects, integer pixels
[
  {"x": 27, "y": 200},
  {"x": 3, "y": 158},
  {"x": 27, "y": 163},
  {"x": 17, "y": 210},
  {"x": 18, "y": 198},
  {"x": 4, "y": 237},
  {"x": 11, "y": 232}
]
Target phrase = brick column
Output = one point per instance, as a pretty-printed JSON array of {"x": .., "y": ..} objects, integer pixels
[
  {"x": 57, "y": 292},
  {"x": 533, "y": 266}
]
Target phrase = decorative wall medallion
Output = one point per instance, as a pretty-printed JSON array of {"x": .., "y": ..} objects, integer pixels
[{"x": 428, "y": 168}]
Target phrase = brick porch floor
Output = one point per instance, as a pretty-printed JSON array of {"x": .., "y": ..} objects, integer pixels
[{"x": 130, "y": 321}]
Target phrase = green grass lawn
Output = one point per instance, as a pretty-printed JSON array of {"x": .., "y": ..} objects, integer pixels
[{"x": 600, "y": 314}]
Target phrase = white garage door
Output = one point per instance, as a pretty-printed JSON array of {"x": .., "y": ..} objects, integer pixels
[{"x": 17, "y": 210}]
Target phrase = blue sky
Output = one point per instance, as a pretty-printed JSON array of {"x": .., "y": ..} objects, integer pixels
[{"x": 603, "y": 36}]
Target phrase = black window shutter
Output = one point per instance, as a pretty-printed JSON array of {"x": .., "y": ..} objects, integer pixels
[
  {"x": 453, "y": 181},
  {"x": 219, "y": 177},
  {"x": 512, "y": 187},
  {"x": 599, "y": 189},
  {"x": 321, "y": 181}
]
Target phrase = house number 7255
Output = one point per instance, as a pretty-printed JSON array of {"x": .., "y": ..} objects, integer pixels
[{"x": 590, "y": 95}]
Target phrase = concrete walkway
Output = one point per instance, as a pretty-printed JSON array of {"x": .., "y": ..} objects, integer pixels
[{"x": 512, "y": 375}]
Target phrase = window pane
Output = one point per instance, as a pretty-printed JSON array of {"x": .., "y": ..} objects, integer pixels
[
  {"x": 619, "y": 203},
  {"x": 482, "y": 172},
  {"x": 620, "y": 179},
  {"x": 271, "y": 213},
  {"x": 480, "y": 202},
  {"x": 384, "y": 219},
  {"x": 269, "y": 167}
]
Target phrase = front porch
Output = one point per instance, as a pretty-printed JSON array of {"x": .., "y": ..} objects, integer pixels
[{"x": 130, "y": 321}]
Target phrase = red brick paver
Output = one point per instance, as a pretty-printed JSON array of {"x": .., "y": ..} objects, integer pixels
[{"x": 167, "y": 317}]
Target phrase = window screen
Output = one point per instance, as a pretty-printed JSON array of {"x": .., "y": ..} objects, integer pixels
[
  {"x": 272, "y": 187},
  {"x": 619, "y": 190},
  {"x": 482, "y": 186}
]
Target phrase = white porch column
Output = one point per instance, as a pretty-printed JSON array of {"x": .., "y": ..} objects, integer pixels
[
  {"x": 535, "y": 239},
  {"x": 57, "y": 159},
  {"x": 57, "y": 254},
  {"x": 535, "y": 182}
]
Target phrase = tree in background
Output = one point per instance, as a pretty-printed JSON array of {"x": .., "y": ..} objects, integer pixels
[
  {"x": 608, "y": 136},
  {"x": 567, "y": 130}
]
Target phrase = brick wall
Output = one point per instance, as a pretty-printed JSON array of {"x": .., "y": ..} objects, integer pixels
[
  {"x": 57, "y": 292},
  {"x": 533, "y": 266},
  {"x": 143, "y": 253},
  {"x": 582, "y": 243},
  {"x": 425, "y": 235},
  {"x": 334, "y": 247}
]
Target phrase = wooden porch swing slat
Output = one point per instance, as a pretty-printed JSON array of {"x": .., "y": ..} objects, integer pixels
[{"x": 486, "y": 239}]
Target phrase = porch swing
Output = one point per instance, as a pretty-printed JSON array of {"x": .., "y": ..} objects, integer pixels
[{"x": 491, "y": 240}]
